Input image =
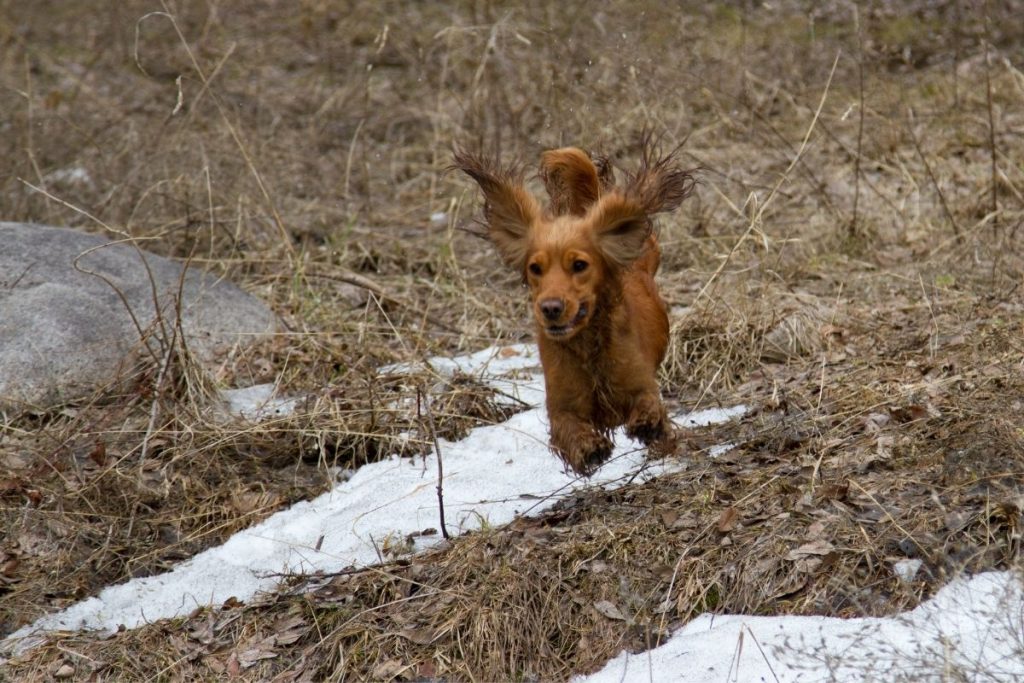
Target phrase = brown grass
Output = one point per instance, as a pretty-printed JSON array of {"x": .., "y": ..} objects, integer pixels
[{"x": 868, "y": 311}]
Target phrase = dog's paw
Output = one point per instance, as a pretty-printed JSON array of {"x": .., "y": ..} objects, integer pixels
[
  {"x": 667, "y": 444},
  {"x": 646, "y": 431},
  {"x": 648, "y": 423},
  {"x": 587, "y": 454}
]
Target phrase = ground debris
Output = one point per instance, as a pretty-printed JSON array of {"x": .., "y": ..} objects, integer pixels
[{"x": 862, "y": 300}]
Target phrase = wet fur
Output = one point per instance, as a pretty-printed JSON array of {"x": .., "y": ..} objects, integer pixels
[{"x": 589, "y": 260}]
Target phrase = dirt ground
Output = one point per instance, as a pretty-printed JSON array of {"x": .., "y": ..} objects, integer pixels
[{"x": 850, "y": 266}]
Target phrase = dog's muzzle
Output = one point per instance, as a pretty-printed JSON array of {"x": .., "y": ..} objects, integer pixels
[{"x": 563, "y": 330}]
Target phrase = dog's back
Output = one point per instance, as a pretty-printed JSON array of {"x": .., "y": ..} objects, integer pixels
[{"x": 646, "y": 307}]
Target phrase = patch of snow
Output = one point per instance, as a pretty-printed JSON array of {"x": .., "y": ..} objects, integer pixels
[
  {"x": 906, "y": 570},
  {"x": 972, "y": 629},
  {"x": 720, "y": 449},
  {"x": 492, "y": 362},
  {"x": 258, "y": 402},
  {"x": 711, "y": 416},
  {"x": 73, "y": 175}
]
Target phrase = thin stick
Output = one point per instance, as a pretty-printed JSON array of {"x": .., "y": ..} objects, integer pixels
[
  {"x": 860, "y": 123},
  {"x": 767, "y": 662},
  {"x": 154, "y": 409},
  {"x": 349, "y": 158},
  {"x": 440, "y": 465},
  {"x": 994, "y": 187}
]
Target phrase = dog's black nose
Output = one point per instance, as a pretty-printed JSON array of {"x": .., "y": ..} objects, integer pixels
[{"x": 552, "y": 308}]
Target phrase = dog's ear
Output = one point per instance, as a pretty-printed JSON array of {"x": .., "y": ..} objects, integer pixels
[
  {"x": 572, "y": 180},
  {"x": 509, "y": 209},
  {"x": 605, "y": 172},
  {"x": 659, "y": 184},
  {"x": 621, "y": 227}
]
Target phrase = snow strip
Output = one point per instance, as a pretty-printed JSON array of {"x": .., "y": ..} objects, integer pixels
[
  {"x": 496, "y": 473},
  {"x": 972, "y": 629}
]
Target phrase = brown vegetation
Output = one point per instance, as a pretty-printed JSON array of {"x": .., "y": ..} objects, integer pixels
[{"x": 849, "y": 267}]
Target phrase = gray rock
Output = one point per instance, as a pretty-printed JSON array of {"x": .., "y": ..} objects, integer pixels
[{"x": 66, "y": 330}]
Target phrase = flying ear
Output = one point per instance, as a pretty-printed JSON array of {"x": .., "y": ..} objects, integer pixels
[
  {"x": 621, "y": 228},
  {"x": 659, "y": 184},
  {"x": 572, "y": 180},
  {"x": 509, "y": 209}
]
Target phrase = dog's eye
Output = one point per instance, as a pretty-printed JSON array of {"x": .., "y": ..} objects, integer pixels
[
  {"x": 578, "y": 266},
  {"x": 535, "y": 268}
]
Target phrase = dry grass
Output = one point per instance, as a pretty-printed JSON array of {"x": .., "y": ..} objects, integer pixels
[{"x": 850, "y": 269}]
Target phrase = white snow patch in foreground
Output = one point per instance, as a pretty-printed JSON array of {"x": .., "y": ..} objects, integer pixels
[
  {"x": 973, "y": 629},
  {"x": 493, "y": 475}
]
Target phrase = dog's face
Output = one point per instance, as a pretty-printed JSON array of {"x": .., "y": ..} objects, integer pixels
[
  {"x": 590, "y": 233},
  {"x": 564, "y": 271}
]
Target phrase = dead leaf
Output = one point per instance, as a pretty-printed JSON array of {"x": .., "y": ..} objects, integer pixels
[
  {"x": 883, "y": 447},
  {"x": 816, "y": 547},
  {"x": 609, "y": 609},
  {"x": 874, "y": 422},
  {"x": 664, "y": 606},
  {"x": 909, "y": 413},
  {"x": 808, "y": 565},
  {"x": 251, "y": 657},
  {"x": 836, "y": 491},
  {"x": 727, "y": 520},
  {"x": 99, "y": 453},
  {"x": 792, "y": 587},
  {"x": 289, "y": 630},
  {"x": 10, "y": 567},
  {"x": 233, "y": 668},
  {"x": 203, "y": 632},
  {"x": 286, "y": 631},
  {"x": 248, "y": 502},
  {"x": 687, "y": 521},
  {"x": 386, "y": 671},
  {"x": 816, "y": 529},
  {"x": 420, "y": 636},
  {"x": 958, "y": 521}
]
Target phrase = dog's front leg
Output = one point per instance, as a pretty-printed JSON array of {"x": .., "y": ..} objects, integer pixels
[
  {"x": 648, "y": 421},
  {"x": 578, "y": 442},
  {"x": 575, "y": 437}
]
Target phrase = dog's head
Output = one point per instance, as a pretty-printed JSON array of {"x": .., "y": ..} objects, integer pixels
[{"x": 571, "y": 253}]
